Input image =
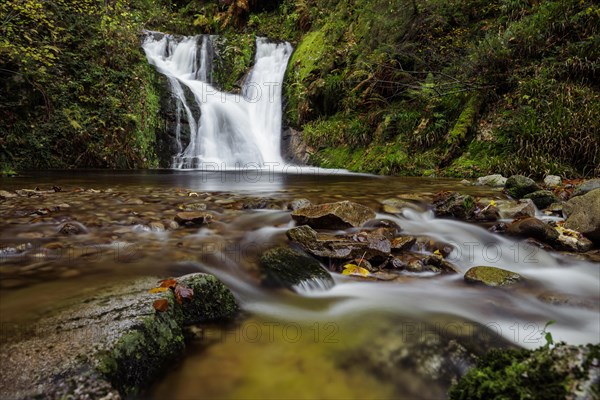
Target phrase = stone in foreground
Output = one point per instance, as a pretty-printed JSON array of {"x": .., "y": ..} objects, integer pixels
[
  {"x": 288, "y": 268},
  {"x": 492, "y": 276},
  {"x": 340, "y": 215},
  {"x": 110, "y": 345}
]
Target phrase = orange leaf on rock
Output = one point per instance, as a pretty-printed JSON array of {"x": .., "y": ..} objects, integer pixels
[
  {"x": 161, "y": 305},
  {"x": 183, "y": 292},
  {"x": 168, "y": 283}
]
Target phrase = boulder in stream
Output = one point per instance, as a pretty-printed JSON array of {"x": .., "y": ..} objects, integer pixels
[
  {"x": 517, "y": 186},
  {"x": 533, "y": 228},
  {"x": 583, "y": 215},
  {"x": 586, "y": 187},
  {"x": 288, "y": 268},
  {"x": 454, "y": 204},
  {"x": 492, "y": 276},
  {"x": 495, "y": 180},
  {"x": 193, "y": 218},
  {"x": 340, "y": 215},
  {"x": 542, "y": 198},
  {"x": 110, "y": 344}
]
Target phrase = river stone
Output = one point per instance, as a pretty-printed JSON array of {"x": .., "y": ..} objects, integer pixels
[
  {"x": 110, "y": 343},
  {"x": 403, "y": 243},
  {"x": 453, "y": 204},
  {"x": 579, "y": 244},
  {"x": 583, "y": 215},
  {"x": 552, "y": 181},
  {"x": 517, "y": 186},
  {"x": 288, "y": 268},
  {"x": 297, "y": 204},
  {"x": 587, "y": 187},
  {"x": 193, "y": 218},
  {"x": 495, "y": 180},
  {"x": 542, "y": 198},
  {"x": 492, "y": 276},
  {"x": 340, "y": 215},
  {"x": 511, "y": 210},
  {"x": 369, "y": 245},
  {"x": 534, "y": 228},
  {"x": 395, "y": 206}
]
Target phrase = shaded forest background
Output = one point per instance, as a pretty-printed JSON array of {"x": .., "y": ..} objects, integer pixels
[{"x": 409, "y": 87}]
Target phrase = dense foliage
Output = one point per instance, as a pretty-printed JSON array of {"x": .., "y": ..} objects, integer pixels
[{"x": 433, "y": 87}]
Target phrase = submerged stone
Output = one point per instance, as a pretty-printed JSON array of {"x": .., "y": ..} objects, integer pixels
[
  {"x": 492, "y": 276},
  {"x": 340, "y": 215}
]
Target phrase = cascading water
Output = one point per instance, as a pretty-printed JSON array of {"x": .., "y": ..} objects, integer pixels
[{"x": 232, "y": 131}]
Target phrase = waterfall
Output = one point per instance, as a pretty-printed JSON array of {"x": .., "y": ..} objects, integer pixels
[{"x": 232, "y": 130}]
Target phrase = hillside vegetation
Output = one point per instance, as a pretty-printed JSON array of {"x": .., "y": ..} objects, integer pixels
[{"x": 411, "y": 87}]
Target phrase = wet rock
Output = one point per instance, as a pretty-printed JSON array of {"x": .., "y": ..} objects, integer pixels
[
  {"x": 495, "y": 180},
  {"x": 192, "y": 218},
  {"x": 193, "y": 207},
  {"x": 403, "y": 243},
  {"x": 297, "y": 204},
  {"x": 583, "y": 215},
  {"x": 288, "y": 268},
  {"x": 542, "y": 198},
  {"x": 443, "y": 265},
  {"x": 7, "y": 195},
  {"x": 486, "y": 213},
  {"x": 260, "y": 204},
  {"x": 391, "y": 226},
  {"x": 395, "y": 206},
  {"x": 517, "y": 186},
  {"x": 453, "y": 204},
  {"x": 133, "y": 202},
  {"x": 511, "y": 210},
  {"x": 156, "y": 226},
  {"x": 586, "y": 187},
  {"x": 344, "y": 247},
  {"x": 552, "y": 181},
  {"x": 570, "y": 240},
  {"x": 109, "y": 344},
  {"x": 72, "y": 228},
  {"x": 340, "y": 215},
  {"x": 534, "y": 228},
  {"x": 173, "y": 225},
  {"x": 492, "y": 276}
]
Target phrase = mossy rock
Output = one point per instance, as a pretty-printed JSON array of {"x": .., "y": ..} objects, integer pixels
[
  {"x": 492, "y": 276},
  {"x": 110, "y": 343},
  {"x": 288, "y": 268},
  {"x": 517, "y": 186},
  {"x": 542, "y": 198},
  {"x": 546, "y": 373}
]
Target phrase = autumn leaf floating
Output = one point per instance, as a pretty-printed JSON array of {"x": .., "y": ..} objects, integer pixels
[
  {"x": 353, "y": 269},
  {"x": 180, "y": 290}
]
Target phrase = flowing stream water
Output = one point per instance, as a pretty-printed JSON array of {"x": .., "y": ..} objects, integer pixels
[{"x": 358, "y": 339}]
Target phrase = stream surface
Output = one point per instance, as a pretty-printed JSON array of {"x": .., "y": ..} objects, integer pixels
[{"x": 359, "y": 339}]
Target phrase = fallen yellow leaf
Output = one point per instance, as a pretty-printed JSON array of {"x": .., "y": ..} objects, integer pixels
[
  {"x": 158, "y": 289},
  {"x": 352, "y": 269}
]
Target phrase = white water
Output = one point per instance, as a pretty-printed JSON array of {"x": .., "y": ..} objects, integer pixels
[{"x": 232, "y": 131}]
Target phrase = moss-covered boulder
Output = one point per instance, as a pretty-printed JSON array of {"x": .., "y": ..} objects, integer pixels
[
  {"x": 109, "y": 344},
  {"x": 517, "y": 186},
  {"x": 340, "y": 215},
  {"x": 492, "y": 276},
  {"x": 542, "y": 198},
  {"x": 288, "y": 268},
  {"x": 561, "y": 372}
]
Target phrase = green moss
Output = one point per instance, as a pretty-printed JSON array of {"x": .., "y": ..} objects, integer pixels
[
  {"x": 526, "y": 374},
  {"x": 284, "y": 267},
  {"x": 235, "y": 54}
]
